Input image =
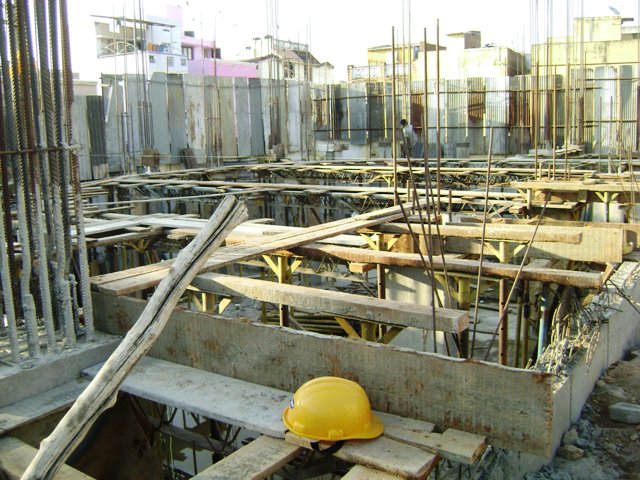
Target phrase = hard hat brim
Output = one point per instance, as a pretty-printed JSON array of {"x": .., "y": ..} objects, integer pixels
[{"x": 375, "y": 429}]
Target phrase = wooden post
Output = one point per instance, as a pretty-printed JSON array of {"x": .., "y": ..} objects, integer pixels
[
  {"x": 366, "y": 328},
  {"x": 464, "y": 303},
  {"x": 503, "y": 292},
  {"x": 101, "y": 393},
  {"x": 283, "y": 277}
]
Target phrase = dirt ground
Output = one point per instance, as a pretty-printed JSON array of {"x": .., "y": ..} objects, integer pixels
[{"x": 596, "y": 447}]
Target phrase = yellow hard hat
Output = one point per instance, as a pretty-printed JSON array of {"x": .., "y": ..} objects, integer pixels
[{"x": 333, "y": 409}]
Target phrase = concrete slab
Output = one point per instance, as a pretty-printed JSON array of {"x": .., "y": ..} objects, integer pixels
[{"x": 23, "y": 381}]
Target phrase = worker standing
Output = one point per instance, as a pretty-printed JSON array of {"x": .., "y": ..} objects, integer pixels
[{"x": 409, "y": 138}]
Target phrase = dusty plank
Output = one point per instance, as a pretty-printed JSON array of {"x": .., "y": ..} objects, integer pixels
[
  {"x": 359, "y": 472},
  {"x": 452, "y": 444},
  {"x": 121, "y": 238},
  {"x": 509, "y": 233},
  {"x": 255, "y": 461},
  {"x": 38, "y": 406},
  {"x": 513, "y": 407},
  {"x": 395, "y": 425},
  {"x": 562, "y": 277},
  {"x": 211, "y": 395},
  {"x": 388, "y": 312},
  {"x": 597, "y": 245},
  {"x": 381, "y": 453},
  {"x": 15, "y": 457},
  {"x": 240, "y": 252}
]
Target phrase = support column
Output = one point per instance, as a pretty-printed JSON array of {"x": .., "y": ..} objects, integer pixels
[{"x": 503, "y": 310}]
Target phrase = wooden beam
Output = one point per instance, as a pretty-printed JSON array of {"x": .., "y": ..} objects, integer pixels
[
  {"x": 513, "y": 407},
  {"x": 359, "y": 472},
  {"x": 601, "y": 245},
  {"x": 454, "y": 265},
  {"x": 137, "y": 279},
  {"x": 387, "y": 312},
  {"x": 453, "y": 444},
  {"x": 509, "y": 233},
  {"x": 381, "y": 453},
  {"x": 255, "y": 461}
]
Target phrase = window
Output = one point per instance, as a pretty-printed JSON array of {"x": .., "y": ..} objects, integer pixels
[
  {"x": 289, "y": 70},
  {"x": 152, "y": 59},
  {"x": 211, "y": 53},
  {"x": 183, "y": 62},
  {"x": 169, "y": 61},
  {"x": 188, "y": 52}
]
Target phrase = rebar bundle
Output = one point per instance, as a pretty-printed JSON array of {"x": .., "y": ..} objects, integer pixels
[{"x": 39, "y": 177}]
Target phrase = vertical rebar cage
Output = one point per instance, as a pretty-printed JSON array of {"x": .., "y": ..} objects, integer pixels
[{"x": 46, "y": 301}]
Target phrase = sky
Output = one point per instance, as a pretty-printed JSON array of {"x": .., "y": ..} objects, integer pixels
[{"x": 340, "y": 31}]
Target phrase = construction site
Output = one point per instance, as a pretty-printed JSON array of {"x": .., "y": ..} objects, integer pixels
[{"x": 454, "y": 229}]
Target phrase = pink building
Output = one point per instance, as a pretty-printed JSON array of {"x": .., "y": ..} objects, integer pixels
[{"x": 203, "y": 57}]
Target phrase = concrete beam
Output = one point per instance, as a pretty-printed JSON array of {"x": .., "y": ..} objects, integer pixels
[{"x": 512, "y": 407}]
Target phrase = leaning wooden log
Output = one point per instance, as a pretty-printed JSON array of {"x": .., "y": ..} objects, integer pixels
[{"x": 102, "y": 391}]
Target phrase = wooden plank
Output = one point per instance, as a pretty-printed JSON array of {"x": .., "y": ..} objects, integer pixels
[
  {"x": 381, "y": 453},
  {"x": 602, "y": 245},
  {"x": 15, "y": 457},
  {"x": 121, "y": 238},
  {"x": 453, "y": 444},
  {"x": 576, "y": 186},
  {"x": 387, "y": 312},
  {"x": 395, "y": 425},
  {"x": 103, "y": 227},
  {"x": 214, "y": 396},
  {"x": 38, "y": 406},
  {"x": 240, "y": 252},
  {"x": 360, "y": 472},
  {"x": 513, "y": 407},
  {"x": 461, "y": 265},
  {"x": 510, "y": 233},
  {"x": 255, "y": 461}
]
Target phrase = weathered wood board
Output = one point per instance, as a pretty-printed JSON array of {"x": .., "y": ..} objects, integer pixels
[
  {"x": 388, "y": 312},
  {"x": 381, "y": 453},
  {"x": 359, "y": 472},
  {"x": 145, "y": 277},
  {"x": 255, "y": 461},
  {"x": 222, "y": 398}
]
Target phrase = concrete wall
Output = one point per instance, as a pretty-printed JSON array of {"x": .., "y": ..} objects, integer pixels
[
  {"x": 190, "y": 120},
  {"x": 512, "y": 407}
]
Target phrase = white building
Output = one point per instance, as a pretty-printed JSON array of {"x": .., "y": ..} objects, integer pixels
[
  {"x": 281, "y": 59},
  {"x": 127, "y": 45}
]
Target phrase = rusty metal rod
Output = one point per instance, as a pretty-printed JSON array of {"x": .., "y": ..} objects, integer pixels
[
  {"x": 19, "y": 164},
  {"x": 60, "y": 181},
  {"x": 83, "y": 264},
  {"x": 6, "y": 240},
  {"x": 32, "y": 130}
]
